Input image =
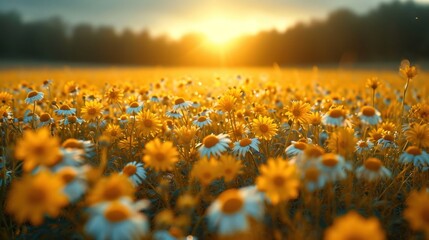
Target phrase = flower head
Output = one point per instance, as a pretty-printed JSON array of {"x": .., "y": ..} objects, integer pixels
[
  {"x": 160, "y": 156},
  {"x": 34, "y": 196},
  {"x": 279, "y": 180},
  {"x": 264, "y": 128},
  {"x": 214, "y": 145},
  {"x": 354, "y": 226}
]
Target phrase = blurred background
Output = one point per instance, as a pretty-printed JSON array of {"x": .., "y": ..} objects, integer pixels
[{"x": 214, "y": 33}]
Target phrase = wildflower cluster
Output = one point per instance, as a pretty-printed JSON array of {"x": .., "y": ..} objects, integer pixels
[{"x": 203, "y": 157}]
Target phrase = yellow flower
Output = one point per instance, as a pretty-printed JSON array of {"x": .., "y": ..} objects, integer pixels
[
  {"x": 114, "y": 95},
  {"x": 417, "y": 211},
  {"x": 420, "y": 111},
  {"x": 229, "y": 167},
  {"x": 111, "y": 188},
  {"x": 279, "y": 180},
  {"x": 205, "y": 170},
  {"x": 71, "y": 87},
  {"x": 373, "y": 83},
  {"x": 5, "y": 97},
  {"x": 354, "y": 226},
  {"x": 92, "y": 110},
  {"x": 264, "y": 128},
  {"x": 38, "y": 148},
  {"x": 113, "y": 131},
  {"x": 418, "y": 134},
  {"x": 315, "y": 119},
  {"x": 376, "y": 134},
  {"x": 299, "y": 112},
  {"x": 34, "y": 196},
  {"x": 407, "y": 70},
  {"x": 149, "y": 123},
  {"x": 227, "y": 103},
  {"x": 388, "y": 126},
  {"x": 185, "y": 134},
  {"x": 160, "y": 156},
  {"x": 342, "y": 141}
]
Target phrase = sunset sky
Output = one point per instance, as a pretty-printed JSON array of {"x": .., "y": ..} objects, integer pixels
[{"x": 220, "y": 20}]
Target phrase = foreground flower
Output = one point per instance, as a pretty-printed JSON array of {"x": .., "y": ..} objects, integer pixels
[
  {"x": 279, "y": 180},
  {"x": 417, "y": 211},
  {"x": 418, "y": 135},
  {"x": 229, "y": 213},
  {"x": 214, "y": 145},
  {"x": 354, "y": 226},
  {"x": 38, "y": 148},
  {"x": 415, "y": 155},
  {"x": 34, "y": 196},
  {"x": 372, "y": 169},
  {"x": 92, "y": 110},
  {"x": 33, "y": 97},
  {"x": 149, "y": 123},
  {"x": 334, "y": 117},
  {"x": 245, "y": 145},
  {"x": 229, "y": 167},
  {"x": 117, "y": 220},
  {"x": 334, "y": 166},
  {"x": 135, "y": 172},
  {"x": 75, "y": 182},
  {"x": 111, "y": 188},
  {"x": 369, "y": 115},
  {"x": 160, "y": 156},
  {"x": 300, "y": 112},
  {"x": 205, "y": 171},
  {"x": 264, "y": 128}
]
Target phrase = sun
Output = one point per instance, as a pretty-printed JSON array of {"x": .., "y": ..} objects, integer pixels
[{"x": 220, "y": 30}]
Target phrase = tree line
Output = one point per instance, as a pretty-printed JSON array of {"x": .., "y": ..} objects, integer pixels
[{"x": 392, "y": 31}]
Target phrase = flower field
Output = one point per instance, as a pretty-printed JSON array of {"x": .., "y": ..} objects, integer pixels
[{"x": 184, "y": 153}]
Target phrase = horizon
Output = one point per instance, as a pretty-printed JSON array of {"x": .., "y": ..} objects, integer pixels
[{"x": 218, "y": 21}]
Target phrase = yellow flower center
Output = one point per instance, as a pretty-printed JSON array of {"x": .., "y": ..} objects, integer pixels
[
  {"x": 425, "y": 215},
  {"x": 330, "y": 160},
  {"x": 92, "y": 111},
  {"x": 134, "y": 104},
  {"x": 39, "y": 150},
  {"x": 210, "y": 141},
  {"x": 116, "y": 212},
  {"x": 148, "y": 123},
  {"x": 32, "y": 94},
  {"x": 314, "y": 151},
  {"x": 389, "y": 137},
  {"x": 202, "y": 119},
  {"x": 72, "y": 143},
  {"x": 37, "y": 195},
  {"x": 68, "y": 174},
  {"x": 368, "y": 111},
  {"x": 363, "y": 144},
  {"x": 129, "y": 170},
  {"x": 179, "y": 101},
  {"x": 112, "y": 191},
  {"x": 231, "y": 201},
  {"x": 72, "y": 119},
  {"x": 296, "y": 112},
  {"x": 160, "y": 157},
  {"x": 300, "y": 145},
  {"x": 312, "y": 174},
  {"x": 373, "y": 164},
  {"x": 263, "y": 128},
  {"x": 279, "y": 181},
  {"x": 245, "y": 142},
  {"x": 336, "y": 113},
  {"x": 45, "y": 117},
  {"x": 413, "y": 150},
  {"x": 65, "y": 107}
]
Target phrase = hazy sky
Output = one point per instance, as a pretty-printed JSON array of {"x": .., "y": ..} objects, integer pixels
[{"x": 215, "y": 18}]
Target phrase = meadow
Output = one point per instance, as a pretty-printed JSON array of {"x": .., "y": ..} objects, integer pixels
[{"x": 214, "y": 153}]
